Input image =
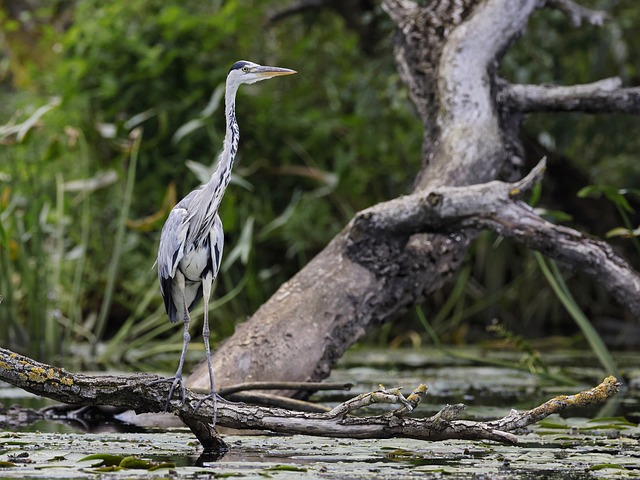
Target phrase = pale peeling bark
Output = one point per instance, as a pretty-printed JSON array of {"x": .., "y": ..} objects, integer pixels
[
  {"x": 313, "y": 318},
  {"x": 603, "y": 96},
  {"x": 447, "y": 53}
]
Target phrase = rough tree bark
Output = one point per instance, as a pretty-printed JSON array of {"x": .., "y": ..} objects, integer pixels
[
  {"x": 143, "y": 393},
  {"x": 447, "y": 53}
]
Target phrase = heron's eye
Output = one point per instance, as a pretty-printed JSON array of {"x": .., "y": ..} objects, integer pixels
[{"x": 245, "y": 69}]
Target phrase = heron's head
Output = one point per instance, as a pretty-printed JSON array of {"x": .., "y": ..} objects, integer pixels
[{"x": 249, "y": 72}]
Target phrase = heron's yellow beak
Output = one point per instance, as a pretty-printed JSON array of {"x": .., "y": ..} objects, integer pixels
[{"x": 268, "y": 72}]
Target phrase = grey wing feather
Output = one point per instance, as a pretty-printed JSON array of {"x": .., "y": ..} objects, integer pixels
[
  {"x": 217, "y": 245},
  {"x": 170, "y": 252}
]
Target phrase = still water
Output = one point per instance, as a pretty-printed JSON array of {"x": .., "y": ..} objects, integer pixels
[{"x": 600, "y": 442}]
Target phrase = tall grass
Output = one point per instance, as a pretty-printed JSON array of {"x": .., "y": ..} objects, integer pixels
[
  {"x": 47, "y": 231},
  {"x": 30, "y": 231},
  {"x": 556, "y": 281},
  {"x": 116, "y": 255}
]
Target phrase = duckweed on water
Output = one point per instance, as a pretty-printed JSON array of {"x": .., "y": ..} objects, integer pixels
[{"x": 564, "y": 453}]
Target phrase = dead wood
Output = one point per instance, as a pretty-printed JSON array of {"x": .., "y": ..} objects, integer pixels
[
  {"x": 312, "y": 319},
  {"x": 447, "y": 53},
  {"x": 496, "y": 206},
  {"x": 603, "y": 96},
  {"x": 577, "y": 14},
  {"x": 138, "y": 392}
]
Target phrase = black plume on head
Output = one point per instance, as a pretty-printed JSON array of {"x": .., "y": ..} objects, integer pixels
[{"x": 238, "y": 65}]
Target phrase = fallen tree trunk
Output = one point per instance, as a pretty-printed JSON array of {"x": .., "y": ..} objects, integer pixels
[
  {"x": 447, "y": 54},
  {"x": 140, "y": 393}
]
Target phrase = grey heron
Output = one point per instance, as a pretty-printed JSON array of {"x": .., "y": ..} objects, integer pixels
[{"x": 192, "y": 238}]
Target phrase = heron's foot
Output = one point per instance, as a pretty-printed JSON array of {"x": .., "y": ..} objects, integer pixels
[
  {"x": 215, "y": 397},
  {"x": 175, "y": 381},
  {"x": 211, "y": 396}
]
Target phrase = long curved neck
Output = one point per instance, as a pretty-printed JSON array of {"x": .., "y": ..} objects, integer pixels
[
  {"x": 231, "y": 135},
  {"x": 214, "y": 189},
  {"x": 210, "y": 195}
]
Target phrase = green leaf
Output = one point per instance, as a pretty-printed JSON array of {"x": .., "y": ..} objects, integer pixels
[
  {"x": 110, "y": 468},
  {"x": 612, "y": 421},
  {"x": 243, "y": 246},
  {"x": 201, "y": 171},
  {"x": 105, "y": 458},
  {"x": 31, "y": 122},
  {"x": 281, "y": 219},
  {"x": 187, "y": 129},
  {"x": 556, "y": 216},
  {"x": 623, "y": 232},
  {"x": 136, "y": 463},
  {"x": 536, "y": 192},
  {"x": 139, "y": 118},
  {"x": 613, "y": 194},
  {"x": 214, "y": 102},
  {"x": 286, "y": 468},
  {"x": 602, "y": 466},
  {"x": 599, "y": 348}
]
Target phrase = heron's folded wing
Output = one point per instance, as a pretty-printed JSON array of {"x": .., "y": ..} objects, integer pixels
[{"x": 172, "y": 244}]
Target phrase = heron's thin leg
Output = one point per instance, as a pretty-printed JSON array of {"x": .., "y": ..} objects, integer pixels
[
  {"x": 177, "y": 378},
  {"x": 206, "y": 333},
  {"x": 185, "y": 342}
]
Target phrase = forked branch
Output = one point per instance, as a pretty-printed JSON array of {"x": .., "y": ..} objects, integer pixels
[
  {"x": 137, "y": 392},
  {"x": 496, "y": 206}
]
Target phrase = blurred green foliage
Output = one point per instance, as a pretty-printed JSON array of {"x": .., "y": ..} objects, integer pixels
[
  {"x": 603, "y": 147},
  {"x": 315, "y": 148}
]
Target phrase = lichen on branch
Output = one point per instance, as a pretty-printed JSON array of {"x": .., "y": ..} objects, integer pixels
[{"x": 138, "y": 392}]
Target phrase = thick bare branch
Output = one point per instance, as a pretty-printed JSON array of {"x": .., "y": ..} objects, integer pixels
[
  {"x": 469, "y": 122},
  {"x": 603, "y": 96},
  {"x": 573, "y": 249},
  {"x": 447, "y": 53},
  {"x": 430, "y": 210},
  {"x": 139, "y": 393},
  {"x": 578, "y": 14},
  {"x": 494, "y": 206}
]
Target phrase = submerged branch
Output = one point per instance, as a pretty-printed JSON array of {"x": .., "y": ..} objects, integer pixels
[
  {"x": 139, "y": 393},
  {"x": 245, "y": 392},
  {"x": 299, "y": 386}
]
